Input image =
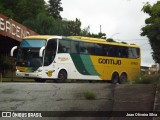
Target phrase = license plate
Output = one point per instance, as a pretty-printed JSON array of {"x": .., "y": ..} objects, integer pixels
[{"x": 26, "y": 75}]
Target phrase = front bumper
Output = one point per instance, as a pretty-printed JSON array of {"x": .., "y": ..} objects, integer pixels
[{"x": 29, "y": 75}]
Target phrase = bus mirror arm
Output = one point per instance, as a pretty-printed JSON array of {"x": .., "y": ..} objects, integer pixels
[
  {"x": 41, "y": 51},
  {"x": 12, "y": 50}
]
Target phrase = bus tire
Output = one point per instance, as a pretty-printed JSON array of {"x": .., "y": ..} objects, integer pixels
[
  {"x": 115, "y": 78},
  {"x": 123, "y": 78},
  {"x": 62, "y": 76},
  {"x": 39, "y": 80}
]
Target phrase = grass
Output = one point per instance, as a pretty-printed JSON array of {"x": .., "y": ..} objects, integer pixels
[
  {"x": 15, "y": 79},
  {"x": 147, "y": 79},
  {"x": 10, "y": 76},
  {"x": 89, "y": 95}
]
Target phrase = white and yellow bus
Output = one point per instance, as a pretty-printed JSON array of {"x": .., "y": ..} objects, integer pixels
[{"x": 60, "y": 58}]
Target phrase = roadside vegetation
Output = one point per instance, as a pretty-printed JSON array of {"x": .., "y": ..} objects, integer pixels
[
  {"x": 152, "y": 79},
  {"x": 89, "y": 95},
  {"x": 9, "y": 76},
  {"x": 147, "y": 79}
]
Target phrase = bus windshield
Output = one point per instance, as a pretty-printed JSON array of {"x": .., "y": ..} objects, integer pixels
[
  {"x": 28, "y": 54},
  {"x": 33, "y": 43}
]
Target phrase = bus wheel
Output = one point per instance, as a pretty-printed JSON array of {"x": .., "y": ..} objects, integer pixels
[
  {"x": 123, "y": 78},
  {"x": 115, "y": 78},
  {"x": 39, "y": 80},
  {"x": 62, "y": 76}
]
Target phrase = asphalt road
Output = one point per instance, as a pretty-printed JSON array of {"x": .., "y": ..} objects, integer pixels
[{"x": 70, "y": 97}]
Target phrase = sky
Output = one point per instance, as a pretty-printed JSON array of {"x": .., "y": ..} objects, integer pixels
[{"x": 120, "y": 19}]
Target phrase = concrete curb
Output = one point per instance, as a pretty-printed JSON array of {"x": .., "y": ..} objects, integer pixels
[{"x": 156, "y": 105}]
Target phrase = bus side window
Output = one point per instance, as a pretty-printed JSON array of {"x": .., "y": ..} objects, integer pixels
[
  {"x": 100, "y": 49},
  {"x": 133, "y": 52},
  {"x": 123, "y": 52},
  {"x": 83, "y": 48},
  {"x": 105, "y": 47},
  {"x": 115, "y": 51},
  {"x": 91, "y": 48},
  {"x": 64, "y": 46},
  {"x": 110, "y": 51},
  {"x": 138, "y": 52},
  {"x": 74, "y": 47},
  {"x": 50, "y": 52}
]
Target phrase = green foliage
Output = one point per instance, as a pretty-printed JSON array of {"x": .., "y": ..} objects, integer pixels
[
  {"x": 43, "y": 24},
  {"x": 123, "y": 42},
  {"x": 7, "y": 7},
  {"x": 99, "y": 35},
  {"x": 152, "y": 28},
  {"x": 21, "y": 10},
  {"x": 85, "y": 31},
  {"x": 29, "y": 9},
  {"x": 43, "y": 18},
  {"x": 147, "y": 79},
  {"x": 89, "y": 95},
  {"x": 54, "y": 8},
  {"x": 71, "y": 27},
  {"x": 6, "y": 63},
  {"x": 110, "y": 40}
]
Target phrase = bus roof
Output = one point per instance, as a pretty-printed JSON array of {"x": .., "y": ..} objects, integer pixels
[
  {"x": 99, "y": 40},
  {"x": 45, "y": 37},
  {"x": 88, "y": 38},
  {"x": 80, "y": 38}
]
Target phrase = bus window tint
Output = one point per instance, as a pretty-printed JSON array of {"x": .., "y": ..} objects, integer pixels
[
  {"x": 116, "y": 51},
  {"x": 83, "y": 48},
  {"x": 100, "y": 49},
  {"x": 133, "y": 52},
  {"x": 113, "y": 51},
  {"x": 74, "y": 47},
  {"x": 50, "y": 52},
  {"x": 123, "y": 52},
  {"x": 64, "y": 46},
  {"x": 138, "y": 52},
  {"x": 91, "y": 48}
]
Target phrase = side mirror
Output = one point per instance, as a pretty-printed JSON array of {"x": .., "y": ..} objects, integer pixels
[
  {"x": 41, "y": 51},
  {"x": 12, "y": 50}
]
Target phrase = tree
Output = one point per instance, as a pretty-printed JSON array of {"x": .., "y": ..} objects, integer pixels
[
  {"x": 44, "y": 24},
  {"x": 71, "y": 27},
  {"x": 54, "y": 8},
  {"x": 43, "y": 18},
  {"x": 99, "y": 35},
  {"x": 29, "y": 9},
  {"x": 85, "y": 31},
  {"x": 21, "y": 10},
  {"x": 8, "y": 8},
  {"x": 152, "y": 28},
  {"x": 110, "y": 40}
]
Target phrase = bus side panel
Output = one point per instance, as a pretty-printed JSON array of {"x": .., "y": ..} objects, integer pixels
[
  {"x": 96, "y": 67},
  {"x": 106, "y": 66},
  {"x": 99, "y": 67},
  {"x": 77, "y": 66},
  {"x": 134, "y": 69}
]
